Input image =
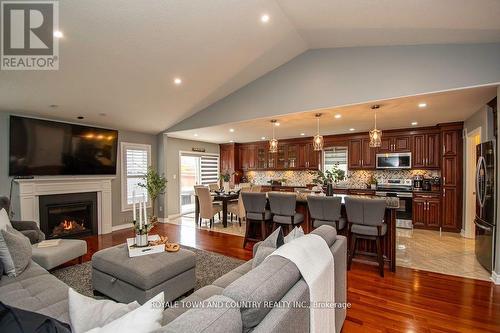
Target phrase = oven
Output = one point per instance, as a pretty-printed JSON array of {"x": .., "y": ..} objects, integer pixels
[{"x": 403, "y": 190}]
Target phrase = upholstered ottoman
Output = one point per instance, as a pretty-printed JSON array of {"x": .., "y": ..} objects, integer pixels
[
  {"x": 53, "y": 256},
  {"x": 126, "y": 279}
]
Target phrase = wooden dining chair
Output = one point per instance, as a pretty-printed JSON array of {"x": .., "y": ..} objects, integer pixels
[{"x": 208, "y": 208}]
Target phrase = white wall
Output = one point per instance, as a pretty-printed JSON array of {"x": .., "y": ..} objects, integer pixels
[{"x": 335, "y": 77}]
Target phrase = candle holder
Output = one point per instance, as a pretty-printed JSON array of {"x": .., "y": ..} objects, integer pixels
[
  {"x": 141, "y": 239},
  {"x": 141, "y": 233}
]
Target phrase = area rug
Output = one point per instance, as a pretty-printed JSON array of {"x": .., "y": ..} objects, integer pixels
[{"x": 209, "y": 267}]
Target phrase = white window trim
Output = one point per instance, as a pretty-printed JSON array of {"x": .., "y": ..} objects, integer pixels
[{"x": 123, "y": 145}]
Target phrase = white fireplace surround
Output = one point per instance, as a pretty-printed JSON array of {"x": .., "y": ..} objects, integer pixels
[{"x": 30, "y": 191}]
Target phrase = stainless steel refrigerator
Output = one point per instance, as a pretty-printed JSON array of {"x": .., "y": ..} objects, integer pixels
[{"x": 485, "y": 220}]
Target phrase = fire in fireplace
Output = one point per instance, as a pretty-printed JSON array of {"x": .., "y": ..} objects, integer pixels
[{"x": 68, "y": 215}]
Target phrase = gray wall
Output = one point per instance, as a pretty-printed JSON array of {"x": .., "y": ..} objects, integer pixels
[
  {"x": 173, "y": 147},
  {"x": 119, "y": 217},
  {"x": 335, "y": 77}
]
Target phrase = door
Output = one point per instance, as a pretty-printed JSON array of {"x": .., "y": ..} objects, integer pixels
[
  {"x": 449, "y": 171},
  {"x": 433, "y": 213},
  {"x": 419, "y": 153},
  {"x": 385, "y": 145},
  {"x": 484, "y": 244},
  {"x": 432, "y": 152},
  {"x": 419, "y": 212},
  {"x": 368, "y": 155},
  {"x": 354, "y": 154},
  {"x": 261, "y": 157},
  {"x": 485, "y": 182},
  {"x": 401, "y": 144},
  {"x": 450, "y": 207},
  {"x": 190, "y": 176},
  {"x": 450, "y": 142},
  {"x": 281, "y": 161},
  {"x": 292, "y": 156}
]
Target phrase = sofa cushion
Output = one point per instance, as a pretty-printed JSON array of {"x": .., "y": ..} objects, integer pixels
[
  {"x": 262, "y": 253},
  {"x": 328, "y": 233},
  {"x": 5, "y": 258},
  {"x": 228, "y": 278},
  {"x": 19, "y": 248},
  {"x": 15, "y": 320},
  {"x": 4, "y": 219},
  {"x": 53, "y": 256},
  {"x": 269, "y": 281},
  {"x": 216, "y": 315},
  {"x": 275, "y": 239},
  {"x": 295, "y": 233}
]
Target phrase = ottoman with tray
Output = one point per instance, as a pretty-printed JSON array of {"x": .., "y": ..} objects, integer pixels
[{"x": 126, "y": 279}]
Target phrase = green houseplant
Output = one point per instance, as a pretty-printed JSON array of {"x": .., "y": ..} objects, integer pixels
[
  {"x": 155, "y": 184},
  {"x": 328, "y": 178}
]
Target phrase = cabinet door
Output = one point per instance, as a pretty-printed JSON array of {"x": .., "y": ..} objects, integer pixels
[
  {"x": 433, "y": 219},
  {"x": 432, "y": 152},
  {"x": 281, "y": 162},
  {"x": 354, "y": 154},
  {"x": 368, "y": 155},
  {"x": 302, "y": 156},
  {"x": 314, "y": 157},
  {"x": 450, "y": 142},
  {"x": 385, "y": 145},
  {"x": 450, "y": 207},
  {"x": 244, "y": 158},
  {"x": 261, "y": 156},
  {"x": 271, "y": 160},
  {"x": 225, "y": 163},
  {"x": 449, "y": 171},
  {"x": 292, "y": 156},
  {"x": 419, "y": 210},
  {"x": 401, "y": 144},
  {"x": 419, "y": 151}
]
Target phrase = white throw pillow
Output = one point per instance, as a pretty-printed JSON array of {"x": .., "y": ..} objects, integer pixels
[
  {"x": 144, "y": 319},
  {"x": 294, "y": 234},
  {"x": 86, "y": 313},
  {"x": 4, "y": 219}
]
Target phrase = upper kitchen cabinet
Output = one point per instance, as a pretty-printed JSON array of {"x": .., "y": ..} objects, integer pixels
[
  {"x": 426, "y": 151},
  {"x": 247, "y": 157},
  {"x": 395, "y": 144},
  {"x": 360, "y": 154},
  {"x": 230, "y": 160},
  {"x": 261, "y": 157}
]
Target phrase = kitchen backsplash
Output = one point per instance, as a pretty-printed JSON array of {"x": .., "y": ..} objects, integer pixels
[{"x": 355, "y": 178}]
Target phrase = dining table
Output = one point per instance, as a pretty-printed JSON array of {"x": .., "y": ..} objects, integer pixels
[{"x": 223, "y": 197}]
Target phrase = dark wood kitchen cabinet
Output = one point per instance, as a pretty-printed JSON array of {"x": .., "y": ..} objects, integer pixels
[
  {"x": 247, "y": 157},
  {"x": 427, "y": 211},
  {"x": 360, "y": 154},
  {"x": 426, "y": 151},
  {"x": 395, "y": 144}
]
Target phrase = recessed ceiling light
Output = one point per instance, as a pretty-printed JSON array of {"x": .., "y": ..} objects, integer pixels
[
  {"x": 231, "y": 140},
  {"x": 276, "y": 124},
  {"x": 414, "y": 123},
  {"x": 302, "y": 134},
  {"x": 263, "y": 138},
  {"x": 177, "y": 81},
  {"x": 58, "y": 34},
  {"x": 352, "y": 129},
  {"x": 195, "y": 134},
  {"x": 264, "y": 18},
  {"x": 231, "y": 130},
  {"x": 422, "y": 105},
  {"x": 338, "y": 116}
]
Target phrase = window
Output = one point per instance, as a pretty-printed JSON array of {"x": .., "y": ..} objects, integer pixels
[
  {"x": 135, "y": 159},
  {"x": 335, "y": 156},
  {"x": 209, "y": 169}
]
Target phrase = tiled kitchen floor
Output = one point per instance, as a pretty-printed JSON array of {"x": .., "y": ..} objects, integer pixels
[{"x": 447, "y": 253}]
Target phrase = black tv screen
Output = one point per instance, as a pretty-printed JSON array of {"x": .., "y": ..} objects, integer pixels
[{"x": 41, "y": 148}]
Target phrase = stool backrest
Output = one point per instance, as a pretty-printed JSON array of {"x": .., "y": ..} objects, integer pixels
[
  {"x": 241, "y": 206},
  {"x": 365, "y": 211},
  {"x": 324, "y": 208},
  {"x": 282, "y": 203},
  {"x": 254, "y": 202}
]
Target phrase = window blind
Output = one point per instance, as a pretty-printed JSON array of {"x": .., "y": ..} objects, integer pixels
[{"x": 209, "y": 169}]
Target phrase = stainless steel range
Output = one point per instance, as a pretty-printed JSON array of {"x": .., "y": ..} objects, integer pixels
[{"x": 402, "y": 189}]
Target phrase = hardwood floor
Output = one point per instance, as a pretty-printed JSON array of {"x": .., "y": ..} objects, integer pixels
[{"x": 406, "y": 301}]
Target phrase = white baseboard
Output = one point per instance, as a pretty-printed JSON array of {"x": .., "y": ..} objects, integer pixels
[
  {"x": 121, "y": 226},
  {"x": 495, "y": 277},
  {"x": 174, "y": 216},
  {"x": 163, "y": 219}
]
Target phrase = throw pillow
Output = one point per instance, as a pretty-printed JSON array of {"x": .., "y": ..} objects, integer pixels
[
  {"x": 4, "y": 219},
  {"x": 295, "y": 233},
  {"x": 144, "y": 319},
  {"x": 86, "y": 313},
  {"x": 267, "y": 246},
  {"x": 14, "y": 320},
  {"x": 15, "y": 251}
]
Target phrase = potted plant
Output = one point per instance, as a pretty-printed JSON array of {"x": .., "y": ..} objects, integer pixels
[
  {"x": 225, "y": 177},
  {"x": 328, "y": 178},
  {"x": 373, "y": 182},
  {"x": 155, "y": 185}
]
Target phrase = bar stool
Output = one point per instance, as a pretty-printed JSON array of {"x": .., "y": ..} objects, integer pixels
[
  {"x": 283, "y": 209},
  {"x": 326, "y": 210},
  {"x": 366, "y": 220},
  {"x": 256, "y": 212}
]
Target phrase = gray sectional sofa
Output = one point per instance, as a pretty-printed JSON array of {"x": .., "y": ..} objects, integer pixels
[{"x": 276, "y": 279}]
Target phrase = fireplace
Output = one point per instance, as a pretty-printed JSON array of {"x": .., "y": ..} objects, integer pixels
[{"x": 72, "y": 215}]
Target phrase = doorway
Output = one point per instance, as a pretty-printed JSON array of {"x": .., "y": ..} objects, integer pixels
[{"x": 472, "y": 139}]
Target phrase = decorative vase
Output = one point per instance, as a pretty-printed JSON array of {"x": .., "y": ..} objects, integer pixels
[
  {"x": 141, "y": 240},
  {"x": 225, "y": 186},
  {"x": 329, "y": 190}
]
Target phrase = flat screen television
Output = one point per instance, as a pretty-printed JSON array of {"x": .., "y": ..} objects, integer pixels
[{"x": 41, "y": 148}]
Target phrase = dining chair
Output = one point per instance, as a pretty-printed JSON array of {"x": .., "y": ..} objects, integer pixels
[
  {"x": 255, "y": 212},
  {"x": 237, "y": 208},
  {"x": 208, "y": 208},
  {"x": 326, "y": 210},
  {"x": 283, "y": 210},
  {"x": 213, "y": 187},
  {"x": 365, "y": 219}
]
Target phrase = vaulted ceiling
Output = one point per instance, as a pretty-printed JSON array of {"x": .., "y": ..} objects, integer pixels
[{"x": 118, "y": 59}]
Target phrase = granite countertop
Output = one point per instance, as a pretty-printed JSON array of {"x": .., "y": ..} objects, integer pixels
[{"x": 391, "y": 202}]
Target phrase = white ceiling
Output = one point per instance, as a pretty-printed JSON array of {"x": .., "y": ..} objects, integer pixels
[
  {"x": 119, "y": 58},
  {"x": 395, "y": 113}
]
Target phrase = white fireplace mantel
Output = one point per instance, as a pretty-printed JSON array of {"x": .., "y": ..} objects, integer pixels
[{"x": 30, "y": 191}]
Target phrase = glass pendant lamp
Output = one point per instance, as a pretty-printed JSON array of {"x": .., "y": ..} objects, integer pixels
[
  {"x": 273, "y": 143},
  {"x": 375, "y": 134},
  {"x": 318, "y": 139}
]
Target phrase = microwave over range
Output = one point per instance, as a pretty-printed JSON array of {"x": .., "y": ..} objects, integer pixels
[{"x": 393, "y": 161}]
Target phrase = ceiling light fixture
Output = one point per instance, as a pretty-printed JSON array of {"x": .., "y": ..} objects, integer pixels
[
  {"x": 231, "y": 140},
  {"x": 58, "y": 34},
  {"x": 375, "y": 134},
  {"x": 414, "y": 123},
  {"x": 273, "y": 143},
  {"x": 318, "y": 139},
  {"x": 231, "y": 130},
  {"x": 351, "y": 129},
  {"x": 264, "y": 18},
  {"x": 276, "y": 123},
  {"x": 302, "y": 134},
  {"x": 263, "y": 138},
  {"x": 422, "y": 105},
  {"x": 338, "y": 116},
  {"x": 177, "y": 81},
  {"x": 195, "y": 134}
]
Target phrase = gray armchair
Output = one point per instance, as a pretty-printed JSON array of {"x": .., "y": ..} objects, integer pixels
[{"x": 27, "y": 228}]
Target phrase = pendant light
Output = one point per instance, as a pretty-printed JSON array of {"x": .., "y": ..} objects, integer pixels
[
  {"x": 273, "y": 143},
  {"x": 318, "y": 139},
  {"x": 375, "y": 134}
]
